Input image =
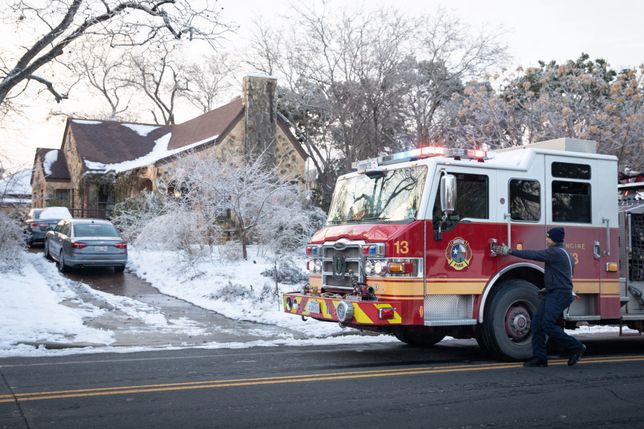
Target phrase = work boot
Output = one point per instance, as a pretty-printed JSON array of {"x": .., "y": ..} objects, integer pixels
[
  {"x": 576, "y": 356},
  {"x": 535, "y": 362}
]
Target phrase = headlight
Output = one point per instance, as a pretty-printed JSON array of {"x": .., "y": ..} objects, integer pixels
[
  {"x": 378, "y": 267},
  {"x": 314, "y": 265},
  {"x": 368, "y": 267}
]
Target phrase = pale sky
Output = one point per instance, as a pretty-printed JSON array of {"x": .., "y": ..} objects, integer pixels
[{"x": 537, "y": 30}]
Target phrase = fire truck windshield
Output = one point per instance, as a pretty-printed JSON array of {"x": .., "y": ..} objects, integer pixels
[{"x": 380, "y": 196}]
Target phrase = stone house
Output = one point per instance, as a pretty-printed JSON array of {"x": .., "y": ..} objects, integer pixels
[{"x": 102, "y": 162}]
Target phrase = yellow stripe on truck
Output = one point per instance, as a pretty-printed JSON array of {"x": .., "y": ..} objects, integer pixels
[{"x": 360, "y": 316}]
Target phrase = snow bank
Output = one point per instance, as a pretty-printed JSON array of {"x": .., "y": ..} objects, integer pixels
[{"x": 32, "y": 312}]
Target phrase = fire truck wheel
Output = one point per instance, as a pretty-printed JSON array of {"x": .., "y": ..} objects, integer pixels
[
  {"x": 508, "y": 318},
  {"x": 418, "y": 337}
]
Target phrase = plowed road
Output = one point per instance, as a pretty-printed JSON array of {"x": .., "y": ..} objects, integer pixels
[{"x": 319, "y": 387}]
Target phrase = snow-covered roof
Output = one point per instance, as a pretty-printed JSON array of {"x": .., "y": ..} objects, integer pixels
[
  {"x": 160, "y": 151},
  {"x": 50, "y": 158}
]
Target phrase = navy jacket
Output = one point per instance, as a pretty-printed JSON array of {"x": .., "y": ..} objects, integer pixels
[{"x": 559, "y": 266}]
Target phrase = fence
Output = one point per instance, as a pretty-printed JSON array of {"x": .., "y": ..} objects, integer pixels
[{"x": 97, "y": 213}]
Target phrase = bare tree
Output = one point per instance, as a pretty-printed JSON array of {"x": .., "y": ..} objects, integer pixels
[
  {"x": 208, "y": 80},
  {"x": 361, "y": 84},
  {"x": 118, "y": 22},
  {"x": 161, "y": 78},
  {"x": 103, "y": 69}
]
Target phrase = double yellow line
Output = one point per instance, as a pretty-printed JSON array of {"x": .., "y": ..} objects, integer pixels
[{"x": 306, "y": 378}]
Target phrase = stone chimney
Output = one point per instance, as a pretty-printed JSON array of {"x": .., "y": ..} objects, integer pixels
[{"x": 259, "y": 98}]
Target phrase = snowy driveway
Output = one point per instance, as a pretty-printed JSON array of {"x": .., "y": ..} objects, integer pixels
[
  {"x": 97, "y": 309},
  {"x": 139, "y": 315},
  {"x": 43, "y": 312}
]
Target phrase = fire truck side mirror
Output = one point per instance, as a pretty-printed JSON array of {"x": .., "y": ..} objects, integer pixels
[{"x": 448, "y": 193}]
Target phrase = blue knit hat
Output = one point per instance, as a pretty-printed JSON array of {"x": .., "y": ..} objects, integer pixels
[{"x": 556, "y": 234}]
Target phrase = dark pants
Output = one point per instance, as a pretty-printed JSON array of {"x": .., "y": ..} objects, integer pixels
[{"x": 545, "y": 322}]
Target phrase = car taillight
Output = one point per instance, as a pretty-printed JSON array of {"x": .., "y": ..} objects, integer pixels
[
  {"x": 121, "y": 245},
  {"x": 78, "y": 245},
  {"x": 39, "y": 225}
]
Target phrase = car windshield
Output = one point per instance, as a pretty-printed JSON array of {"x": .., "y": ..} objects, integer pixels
[
  {"x": 95, "y": 230},
  {"x": 380, "y": 196}
]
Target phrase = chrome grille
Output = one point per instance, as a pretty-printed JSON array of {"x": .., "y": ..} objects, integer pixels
[{"x": 341, "y": 262}]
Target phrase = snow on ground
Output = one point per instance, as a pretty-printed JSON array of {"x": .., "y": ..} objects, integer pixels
[
  {"x": 235, "y": 289},
  {"x": 32, "y": 312},
  {"x": 42, "y": 311}
]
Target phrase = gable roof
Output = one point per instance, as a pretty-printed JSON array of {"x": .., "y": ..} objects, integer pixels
[
  {"x": 113, "y": 142},
  {"x": 53, "y": 164},
  {"x": 122, "y": 146},
  {"x": 209, "y": 126}
]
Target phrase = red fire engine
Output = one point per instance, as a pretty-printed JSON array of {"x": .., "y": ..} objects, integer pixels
[{"x": 407, "y": 248}]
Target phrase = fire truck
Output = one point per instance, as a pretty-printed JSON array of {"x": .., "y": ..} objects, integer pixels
[{"x": 408, "y": 247}]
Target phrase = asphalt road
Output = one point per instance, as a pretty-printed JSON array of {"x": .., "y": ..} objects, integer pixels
[{"x": 375, "y": 386}]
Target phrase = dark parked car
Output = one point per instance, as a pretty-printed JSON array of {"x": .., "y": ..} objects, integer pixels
[
  {"x": 86, "y": 243},
  {"x": 42, "y": 220}
]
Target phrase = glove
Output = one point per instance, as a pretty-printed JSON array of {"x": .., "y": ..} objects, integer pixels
[{"x": 501, "y": 250}]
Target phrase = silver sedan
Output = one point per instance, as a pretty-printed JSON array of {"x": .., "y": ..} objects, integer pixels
[{"x": 86, "y": 243}]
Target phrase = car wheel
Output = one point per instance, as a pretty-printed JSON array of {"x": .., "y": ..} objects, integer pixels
[
  {"x": 119, "y": 269},
  {"x": 46, "y": 253},
  {"x": 61, "y": 263}
]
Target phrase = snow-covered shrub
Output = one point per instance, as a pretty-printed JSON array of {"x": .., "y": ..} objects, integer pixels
[
  {"x": 230, "y": 251},
  {"x": 287, "y": 273},
  {"x": 289, "y": 223},
  {"x": 134, "y": 214},
  {"x": 247, "y": 198},
  {"x": 233, "y": 292},
  {"x": 177, "y": 230},
  {"x": 12, "y": 244}
]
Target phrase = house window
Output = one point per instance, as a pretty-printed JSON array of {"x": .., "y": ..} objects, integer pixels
[
  {"x": 60, "y": 197},
  {"x": 571, "y": 202},
  {"x": 525, "y": 200}
]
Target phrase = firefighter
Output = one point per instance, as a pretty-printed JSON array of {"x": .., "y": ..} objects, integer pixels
[{"x": 557, "y": 296}]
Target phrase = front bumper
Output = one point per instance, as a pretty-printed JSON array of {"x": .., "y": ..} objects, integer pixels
[{"x": 365, "y": 313}]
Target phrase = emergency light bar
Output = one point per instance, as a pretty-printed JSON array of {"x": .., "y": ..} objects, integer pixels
[{"x": 419, "y": 153}]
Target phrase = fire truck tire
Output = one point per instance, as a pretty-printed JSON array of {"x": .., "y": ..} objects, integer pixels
[
  {"x": 506, "y": 332},
  {"x": 418, "y": 337}
]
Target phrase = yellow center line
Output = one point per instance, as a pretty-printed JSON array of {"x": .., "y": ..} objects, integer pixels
[{"x": 214, "y": 384}]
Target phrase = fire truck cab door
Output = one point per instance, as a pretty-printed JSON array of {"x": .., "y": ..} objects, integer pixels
[
  {"x": 576, "y": 195},
  {"x": 458, "y": 258}
]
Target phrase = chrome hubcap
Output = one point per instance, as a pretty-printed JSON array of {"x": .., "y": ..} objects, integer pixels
[{"x": 517, "y": 322}]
